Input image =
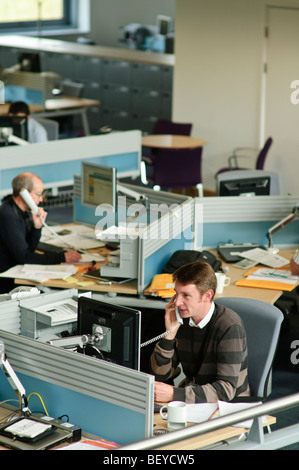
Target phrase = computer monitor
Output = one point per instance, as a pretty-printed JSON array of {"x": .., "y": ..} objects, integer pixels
[
  {"x": 13, "y": 126},
  {"x": 257, "y": 186},
  {"x": 248, "y": 183},
  {"x": 99, "y": 185},
  {"x": 29, "y": 62},
  {"x": 120, "y": 327}
]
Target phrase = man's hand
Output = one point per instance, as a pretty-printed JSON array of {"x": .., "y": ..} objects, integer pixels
[
  {"x": 163, "y": 392},
  {"x": 39, "y": 218},
  {"x": 72, "y": 256},
  {"x": 171, "y": 319}
]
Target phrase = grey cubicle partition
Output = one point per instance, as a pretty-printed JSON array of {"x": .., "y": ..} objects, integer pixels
[
  {"x": 57, "y": 161},
  {"x": 243, "y": 220},
  {"x": 105, "y": 399},
  {"x": 168, "y": 226}
]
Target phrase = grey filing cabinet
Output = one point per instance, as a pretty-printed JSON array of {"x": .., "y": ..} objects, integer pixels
[{"x": 133, "y": 94}]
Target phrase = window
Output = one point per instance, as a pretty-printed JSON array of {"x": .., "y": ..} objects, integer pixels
[{"x": 23, "y": 15}]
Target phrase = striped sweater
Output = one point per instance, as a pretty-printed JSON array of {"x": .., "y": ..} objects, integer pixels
[{"x": 223, "y": 370}]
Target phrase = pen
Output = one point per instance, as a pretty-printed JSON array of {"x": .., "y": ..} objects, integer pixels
[{"x": 214, "y": 413}]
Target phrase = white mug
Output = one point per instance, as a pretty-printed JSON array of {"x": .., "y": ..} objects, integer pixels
[
  {"x": 222, "y": 281},
  {"x": 176, "y": 414}
]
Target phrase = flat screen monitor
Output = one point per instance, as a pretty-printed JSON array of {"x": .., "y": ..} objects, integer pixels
[
  {"x": 258, "y": 186},
  {"x": 120, "y": 328},
  {"x": 99, "y": 185},
  {"x": 13, "y": 125},
  {"x": 29, "y": 62}
]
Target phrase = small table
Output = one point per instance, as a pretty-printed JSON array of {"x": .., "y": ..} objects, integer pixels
[
  {"x": 172, "y": 141},
  {"x": 60, "y": 106},
  {"x": 67, "y": 106}
]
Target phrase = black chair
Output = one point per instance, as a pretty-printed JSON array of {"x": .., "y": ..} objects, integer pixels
[
  {"x": 172, "y": 168},
  {"x": 176, "y": 169},
  {"x": 164, "y": 126}
]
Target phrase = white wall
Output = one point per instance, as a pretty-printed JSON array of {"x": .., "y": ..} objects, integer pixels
[{"x": 218, "y": 74}]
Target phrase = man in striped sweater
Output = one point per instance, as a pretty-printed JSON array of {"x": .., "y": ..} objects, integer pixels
[{"x": 210, "y": 344}]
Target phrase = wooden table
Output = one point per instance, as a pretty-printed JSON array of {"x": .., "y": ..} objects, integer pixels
[
  {"x": 61, "y": 106},
  {"x": 267, "y": 295},
  {"x": 172, "y": 141}
]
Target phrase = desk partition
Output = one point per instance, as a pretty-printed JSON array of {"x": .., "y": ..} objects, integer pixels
[
  {"x": 106, "y": 400},
  {"x": 57, "y": 161},
  {"x": 243, "y": 220},
  {"x": 168, "y": 227}
]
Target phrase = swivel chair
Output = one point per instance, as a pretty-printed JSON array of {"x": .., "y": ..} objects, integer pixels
[
  {"x": 233, "y": 163},
  {"x": 262, "y": 323}
]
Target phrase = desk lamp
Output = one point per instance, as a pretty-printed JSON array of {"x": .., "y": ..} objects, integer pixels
[
  {"x": 7, "y": 135},
  {"x": 279, "y": 225},
  {"x": 14, "y": 381}
]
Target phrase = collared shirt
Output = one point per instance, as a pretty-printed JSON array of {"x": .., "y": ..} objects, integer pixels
[{"x": 205, "y": 320}]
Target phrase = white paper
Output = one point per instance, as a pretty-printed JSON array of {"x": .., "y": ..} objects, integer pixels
[
  {"x": 226, "y": 408},
  {"x": 77, "y": 236},
  {"x": 265, "y": 257},
  {"x": 40, "y": 273},
  {"x": 200, "y": 412}
]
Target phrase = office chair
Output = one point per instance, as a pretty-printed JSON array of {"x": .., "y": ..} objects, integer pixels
[
  {"x": 162, "y": 173},
  {"x": 73, "y": 89},
  {"x": 51, "y": 126},
  {"x": 164, "y": 126},
  {"x": 262, "y": 322},
  {"x": 233, "y": 163},
  {"x": 176, "y": 169}
]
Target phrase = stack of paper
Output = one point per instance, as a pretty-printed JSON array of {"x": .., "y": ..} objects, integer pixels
[
  {"x": 162, "y": 285},
  {"x": 40, "y": 273},
  {"x": 264, "y": 257},
  {"x": 264, "y": 278},
  {"x": 201, "y": 412}
]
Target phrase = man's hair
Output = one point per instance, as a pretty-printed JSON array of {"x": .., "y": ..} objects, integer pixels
[
  {"x": 19, "y": 107},
  {"x": 199, "y": 273},
  {"x": 24, "y": 180}
]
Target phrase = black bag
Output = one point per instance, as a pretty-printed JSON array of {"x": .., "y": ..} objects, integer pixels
[{"x": 181, "y": 257}]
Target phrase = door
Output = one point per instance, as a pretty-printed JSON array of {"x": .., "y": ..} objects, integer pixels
[{"x": 281, "y": 102}]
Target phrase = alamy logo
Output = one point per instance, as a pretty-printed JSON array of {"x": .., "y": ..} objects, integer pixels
[{"x": 295, "y": 94}]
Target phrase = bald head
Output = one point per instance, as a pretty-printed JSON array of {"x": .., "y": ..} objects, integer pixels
[{"x": 25, "y": 180}]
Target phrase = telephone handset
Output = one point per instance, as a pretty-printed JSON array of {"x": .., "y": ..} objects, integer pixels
[
  {"x": 24, "y": 193},
  {"x": 178, "y": 316},
  {"x": 156, "y": 338}
]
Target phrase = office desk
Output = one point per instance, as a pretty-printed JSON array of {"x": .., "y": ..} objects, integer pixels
[
  {"x": 207, "y": 439},
  {"x": 68, "y": 106},
  {"x": 171, "y": 141},
  {"x": 267, "y": 295},
  {"x": 130, "y": 288},
  {"x": 61, "y": 106}
]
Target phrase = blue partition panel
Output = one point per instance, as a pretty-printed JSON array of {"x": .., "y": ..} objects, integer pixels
[
  {"x": 249, "y": 232},
  {"x": 95, "y": 416},
  {"x": 65, "y": 170}
]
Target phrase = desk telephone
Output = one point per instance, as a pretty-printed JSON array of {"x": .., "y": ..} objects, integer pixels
[{"x": 156, "y": 338}]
